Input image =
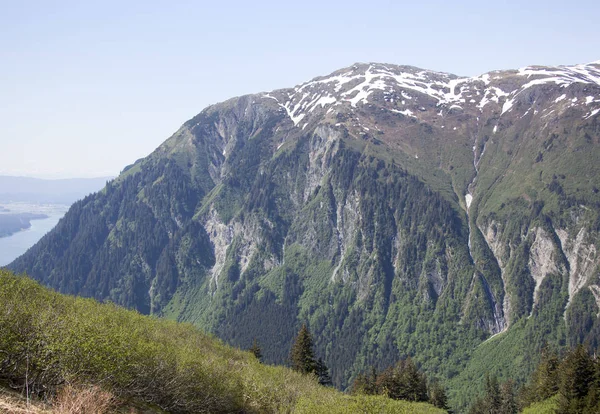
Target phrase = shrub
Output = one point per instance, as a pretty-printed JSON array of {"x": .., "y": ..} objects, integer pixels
[
  {"x": 48, "y": 341},
  {"x": 83, "y": 399}
]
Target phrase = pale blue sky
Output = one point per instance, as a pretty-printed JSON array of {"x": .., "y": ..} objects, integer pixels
[{"x": 88, "y": 87}]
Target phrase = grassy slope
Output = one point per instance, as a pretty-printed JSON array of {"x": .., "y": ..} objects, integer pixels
[{"x": 171, "y": 365}]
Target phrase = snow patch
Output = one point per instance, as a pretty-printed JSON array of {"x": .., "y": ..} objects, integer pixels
[
  {"x": 355, "y": 86},
  {"x": 468, "y": 200},
  {"x": 406, "y": 112},
  {"x": 594, "y": 112},
  {"x": 325, "y": 100},
  {"x": 485, "y": 78},
  {"x": 561, "y": 97},
  {"x": 507, "y": 106}
]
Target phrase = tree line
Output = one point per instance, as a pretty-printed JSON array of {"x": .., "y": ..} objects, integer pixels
[
  {"x": 569, "y": 384},
  {"x": 402, "y": 381}
]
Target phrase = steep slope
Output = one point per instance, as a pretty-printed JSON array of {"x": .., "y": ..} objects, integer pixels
[
  {"x": 84, "y": 357},
  {"x": 397, "y": 211}
]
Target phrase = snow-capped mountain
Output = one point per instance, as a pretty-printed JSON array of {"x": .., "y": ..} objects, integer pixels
[
  {"x": 410, "y": 90},
  {"x": 397, "y": 211}
]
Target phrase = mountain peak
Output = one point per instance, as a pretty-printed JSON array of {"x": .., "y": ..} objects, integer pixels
[
  {"x": 365, "y": 83},
  {"x": 380, "y": 204}
]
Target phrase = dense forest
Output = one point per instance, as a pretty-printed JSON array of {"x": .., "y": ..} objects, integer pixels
[{"x": 567, "y": 384}]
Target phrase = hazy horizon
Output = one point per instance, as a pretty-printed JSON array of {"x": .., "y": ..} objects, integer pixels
[
  {"x": 32, "y": 177},
  {"x": 91, "y": 88}
]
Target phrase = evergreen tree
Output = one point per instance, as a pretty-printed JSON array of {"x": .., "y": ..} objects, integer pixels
[
  {"x": 302, "y": 356},
  {"x": 478, "y": 407},
  {"x": 255, "y": 349},
  {"x": 437, "y": 395},
  {"x": 323, "y": 373},
  {"x": 360, "y": 385},
  {"x": 372, "y": 388},
  {"x": 416, "y": 382},
  {"x": 403, "y": 382},
  {"x": 576, "y": 378},
  {"x": 365, "y": 383},
  {"x": 593, "y": 397},
  {"x": 492, "y": 399},
  {"x": 508, "y": 399},
  {"x": 544, "y": 380},
  {"x": 388, "y": 383}
]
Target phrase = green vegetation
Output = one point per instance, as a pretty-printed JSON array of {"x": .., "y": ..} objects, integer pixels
[
  {"x": 548, "y": 406},
  {"x": 498, "y": 398},
  {"x": 302, "y": 357},
  {"x": 572, "y": 382},
  {"x": 248, "y": 227},
  {"x": 403, "y": 381},
  {"x": 48, "y": 340},
  {"x": 567, "y": 385},
  {"x": 256, "y": 351}
]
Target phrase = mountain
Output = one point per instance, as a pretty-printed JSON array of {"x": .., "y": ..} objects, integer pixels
[
  {"x": 397, "y": 211},
  {"x": 35, "y": 190}
]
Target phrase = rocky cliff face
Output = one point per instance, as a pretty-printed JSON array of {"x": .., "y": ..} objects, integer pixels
[{"x": 398, "y": 211}]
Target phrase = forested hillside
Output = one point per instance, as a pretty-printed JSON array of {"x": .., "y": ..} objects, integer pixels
[{"x": 398, "y": 212}]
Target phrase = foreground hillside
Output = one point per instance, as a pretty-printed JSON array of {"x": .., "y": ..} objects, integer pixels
[
  {"x": 397, "y": 211},
  {"x": 48, "y": 341}
]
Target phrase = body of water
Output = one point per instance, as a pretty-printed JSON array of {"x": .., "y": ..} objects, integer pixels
[{"x": 15, "y": 245}]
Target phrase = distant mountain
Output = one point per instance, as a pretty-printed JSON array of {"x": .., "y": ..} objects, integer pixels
[
  {"x": 64, "y": 191},
  {"x": 397, "y": 211}
]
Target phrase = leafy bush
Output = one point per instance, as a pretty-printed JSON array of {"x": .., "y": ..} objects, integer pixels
[{"x": 48, "y": 341}]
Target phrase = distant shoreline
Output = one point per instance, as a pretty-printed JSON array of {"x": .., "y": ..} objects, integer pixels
[
  {"x": 17, "y": 243},
  {"x": 11, "y": 224}
]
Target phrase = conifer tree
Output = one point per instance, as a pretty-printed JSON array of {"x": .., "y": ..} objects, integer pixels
[
  {"x": 323, "y": 373},
  {"x": 593, "y": 397},
  {"x": 437, "y": 395},
  {"x": 302, "y": 356},
  {"x": 492, "y": 399},
  {"x": 576, "y": 378},
  {"x": 255, "y": 349},
  {"x": 508, "y": 399},
  {"x": 403, "y": 382},
  {"x": 372, "y": 382},
  {"x": 491, "y": 402},
  {"x": 366, "y": 383},
  {"x": 544, "y": 380},
  {"x": 416, "y": 381}
]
